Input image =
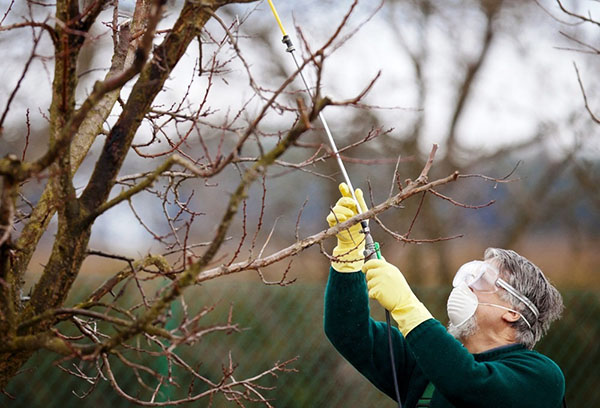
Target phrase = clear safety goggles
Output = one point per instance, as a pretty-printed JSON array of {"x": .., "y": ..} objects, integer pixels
[{"x": 483, "y": 277}]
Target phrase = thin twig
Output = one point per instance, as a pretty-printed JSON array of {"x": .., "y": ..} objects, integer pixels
[{"x": 585, "y": 100}]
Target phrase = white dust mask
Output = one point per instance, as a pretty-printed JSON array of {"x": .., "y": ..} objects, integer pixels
[{"x": 462, "y": 304}]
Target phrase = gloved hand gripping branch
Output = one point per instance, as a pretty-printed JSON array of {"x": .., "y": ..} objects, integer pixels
[{"x": 348, "y": 252}]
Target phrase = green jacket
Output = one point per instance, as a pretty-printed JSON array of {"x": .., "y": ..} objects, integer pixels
[{"x": 506, "y": 377}]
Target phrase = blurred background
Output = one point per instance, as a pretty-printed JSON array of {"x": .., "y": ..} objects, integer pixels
[{"x": 492, "y": 82}]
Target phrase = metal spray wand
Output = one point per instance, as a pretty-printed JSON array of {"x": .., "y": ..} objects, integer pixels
[{"x": 371, "y": 247}]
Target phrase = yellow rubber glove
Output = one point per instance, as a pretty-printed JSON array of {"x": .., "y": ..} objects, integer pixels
[
  {"x": 350, "y": 242},
  {"x": 387, "y": 285}
]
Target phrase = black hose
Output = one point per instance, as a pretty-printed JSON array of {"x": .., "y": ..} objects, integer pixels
[{"x": 370, "y": 253}]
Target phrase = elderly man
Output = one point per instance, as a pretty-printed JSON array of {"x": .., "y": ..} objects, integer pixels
[{"x": 499, "y": 308}]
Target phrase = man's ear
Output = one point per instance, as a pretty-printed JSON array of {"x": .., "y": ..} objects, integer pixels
[{"x": 510, "y": 316}]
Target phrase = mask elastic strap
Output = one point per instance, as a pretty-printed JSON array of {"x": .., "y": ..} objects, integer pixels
[
  {"x": 510, "y": 310},
  {"x": 504, "y": 285}
]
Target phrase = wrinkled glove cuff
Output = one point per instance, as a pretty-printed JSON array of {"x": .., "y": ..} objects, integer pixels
[{"x": 410, "y": 315}]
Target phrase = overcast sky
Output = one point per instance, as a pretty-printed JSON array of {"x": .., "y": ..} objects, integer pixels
[{"x": 525, "y": 77}]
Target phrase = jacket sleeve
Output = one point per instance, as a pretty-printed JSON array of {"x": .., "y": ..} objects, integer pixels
[
  {"x": 518, "y": 379},
  {"x": 360, "y": 339}
]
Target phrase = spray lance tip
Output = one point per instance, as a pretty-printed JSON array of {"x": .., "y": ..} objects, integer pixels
[{"x": 288, "y": 41}]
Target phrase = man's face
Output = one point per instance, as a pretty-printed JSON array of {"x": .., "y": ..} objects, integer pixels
[{"x": 491, "y": 317}]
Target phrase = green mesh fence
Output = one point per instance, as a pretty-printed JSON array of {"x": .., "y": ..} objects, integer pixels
[{"x": 284, "y": 322}]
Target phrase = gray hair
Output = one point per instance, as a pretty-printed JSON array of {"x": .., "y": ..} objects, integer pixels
[{"x": 530, "y": 281}]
